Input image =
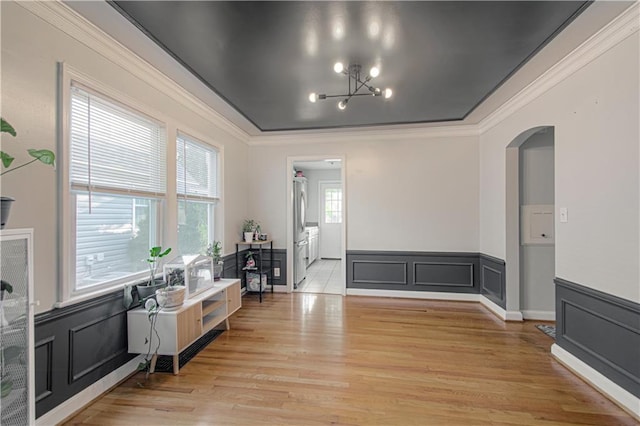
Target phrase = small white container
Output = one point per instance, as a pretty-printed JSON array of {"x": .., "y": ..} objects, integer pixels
[{"x": 171, "y": 297}]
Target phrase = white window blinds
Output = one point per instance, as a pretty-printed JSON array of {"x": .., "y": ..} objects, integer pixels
[
  {"x": 115, "y": 148},
  {"x": 197, "y": 169}
]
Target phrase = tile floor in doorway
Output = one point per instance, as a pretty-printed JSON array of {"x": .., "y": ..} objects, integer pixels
[{"x": 323, "y": 276}]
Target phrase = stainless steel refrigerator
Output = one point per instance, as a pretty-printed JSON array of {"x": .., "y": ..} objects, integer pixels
[{"x": 300, "y": 238}]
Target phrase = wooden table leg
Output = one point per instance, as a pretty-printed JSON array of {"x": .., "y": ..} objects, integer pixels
[
  {"x": 154, "y": 358},
  {"x": 176, "y": 364}
]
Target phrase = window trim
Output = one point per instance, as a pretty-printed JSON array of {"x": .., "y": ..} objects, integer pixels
[
  {"x": 67, "y": 294},
  {"x": 217, "y": 233}
]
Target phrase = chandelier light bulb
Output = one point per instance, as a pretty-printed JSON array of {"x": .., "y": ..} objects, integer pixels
[
  {"x": 387, "y": 93},
  {"x": 313, "y": 97},
  {"x": 374, "y": 72},
  {"x": 338, "y": 67},
  {"x": 342, "y": 104}
]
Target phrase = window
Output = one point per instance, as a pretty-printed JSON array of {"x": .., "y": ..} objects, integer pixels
[
  {"x": 333, "y": 205},
  {"x": 117, "y": 179},
  {"x": 196, "y": 171}
]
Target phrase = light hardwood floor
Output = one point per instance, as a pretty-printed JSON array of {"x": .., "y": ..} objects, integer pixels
[{"x": 317, "y": 359}]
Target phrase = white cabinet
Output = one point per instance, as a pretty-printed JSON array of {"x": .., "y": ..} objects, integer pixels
[
  {"x": 313, "y": 246},
  {"x": 179, "y": 328},
  {"x": 17, "y": 400}
]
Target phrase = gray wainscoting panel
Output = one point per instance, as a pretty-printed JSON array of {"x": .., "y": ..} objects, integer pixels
[
  {"x": 413, "y": 271},
  {"x": 602, "y": 330},
  {"x": 379, "y": 272},
  {"x": 43, "y": 364},
  {"x": 76, "y": 346},
  {"x": 438, "y": 274},
  {"x": 492, "y": 279}
]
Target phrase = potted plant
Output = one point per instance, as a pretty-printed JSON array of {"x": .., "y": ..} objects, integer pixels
[
  {"x": 148, "y": 288},
  {"x": 173, "y": 294},
  {"x": 248, "y": 228},
  {"x": 45, "y": 156},
  {"x": 215, "y": 251}
]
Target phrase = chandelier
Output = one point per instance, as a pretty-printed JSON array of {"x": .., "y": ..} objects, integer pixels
[{"x": 355, "y": 84}]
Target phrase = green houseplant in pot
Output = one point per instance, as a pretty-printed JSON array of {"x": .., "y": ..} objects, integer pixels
[
  {"x": 248, "y": 229},
  {"x": 148, "y": 288},
  {"x": 44, "y": 156},
  {"x": 215, "y": 251}
]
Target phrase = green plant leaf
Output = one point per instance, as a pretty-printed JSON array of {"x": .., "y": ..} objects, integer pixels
[
  {"x": 5, "y": 286},
  {"x": 7, "y": 128},
  {"x": 10, "y": 353},
  {"x": 43, "y": 155},
  {"x": 5, "y": 387},
  {"x": 6, "y": 159}
]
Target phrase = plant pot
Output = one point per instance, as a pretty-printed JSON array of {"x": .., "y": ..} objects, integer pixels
[
  {"x": 146, "y": 291},
  {"x": 248, "y": 237},
  {"x": 5, "y": 208},
  {"x": 171, "y": 297},
  {"x": 217, "y": 270}
]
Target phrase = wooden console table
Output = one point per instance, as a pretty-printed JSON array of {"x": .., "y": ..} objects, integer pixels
[{"x": 180, "y": 327}]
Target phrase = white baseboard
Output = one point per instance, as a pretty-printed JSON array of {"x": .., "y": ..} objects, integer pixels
[
  {"x": 500, "y": 312},
  {"x": 81, "y": 399},
  {"x": 464, "y": 297},
  {"x": 617, "y": 394},
  {"x": 539, "y": 315}
]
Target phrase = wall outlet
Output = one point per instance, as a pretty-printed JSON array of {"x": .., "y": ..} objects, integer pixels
[{"x": 276, "y": 272}]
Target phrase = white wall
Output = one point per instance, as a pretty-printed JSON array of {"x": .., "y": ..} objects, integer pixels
[
  {"x": 537, "y": 262},
  {"x": 31, "y": 49},
  {"x": 313, "y": 177},
  {"x": 418, "y": 193},
  {"x": 595, "y": 114}
]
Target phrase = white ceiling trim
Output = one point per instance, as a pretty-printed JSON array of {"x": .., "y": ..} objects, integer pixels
[
  {"x": 370, "y": 134},
  {"x": 73, "y": 24},
  {"x": 625, "y": 25}
]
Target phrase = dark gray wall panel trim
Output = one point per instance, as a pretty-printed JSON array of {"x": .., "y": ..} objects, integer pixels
[
  {"x": 411, "y": 253},
  {"x": 602, "y": 330},
  {"x": 75, "y": 346},
  {"x": 106, "y": 338},
  {"x": 413, "y": 271},
  {"x": 378, "y": 268},
  {"x": 492, "y": 279},
  {"x": 46, "y": 369},
  {"x": 466, "y": 268},
  {"x": 492, "y": 259}
]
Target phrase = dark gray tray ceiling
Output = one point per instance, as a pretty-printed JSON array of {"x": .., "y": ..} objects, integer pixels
[{"x": 440, "y": 58}]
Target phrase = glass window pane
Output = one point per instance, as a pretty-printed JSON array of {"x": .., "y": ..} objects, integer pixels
[
  {"x": 113, "y": 240},
  {"x": 333, "y": 205},
  {"x": 195, "y": 226}
]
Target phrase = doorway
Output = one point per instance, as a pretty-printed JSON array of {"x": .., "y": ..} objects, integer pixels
[
  {"x": 323, "y": 180},
  {"x": 530, "y": 250}
]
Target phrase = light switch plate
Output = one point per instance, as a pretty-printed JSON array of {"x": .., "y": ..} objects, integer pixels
[
  {"x": 564, "y": 215},
  {"x": 276, "y": 272}
]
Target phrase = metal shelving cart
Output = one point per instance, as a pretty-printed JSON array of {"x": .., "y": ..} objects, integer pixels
[{"x": 256, "y": 247}]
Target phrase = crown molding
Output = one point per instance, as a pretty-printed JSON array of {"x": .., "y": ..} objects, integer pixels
[
  {"x": 364, "y": 135},
  {"x": 623, "y": 26},
  {"x": 76, "y": 26}
]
